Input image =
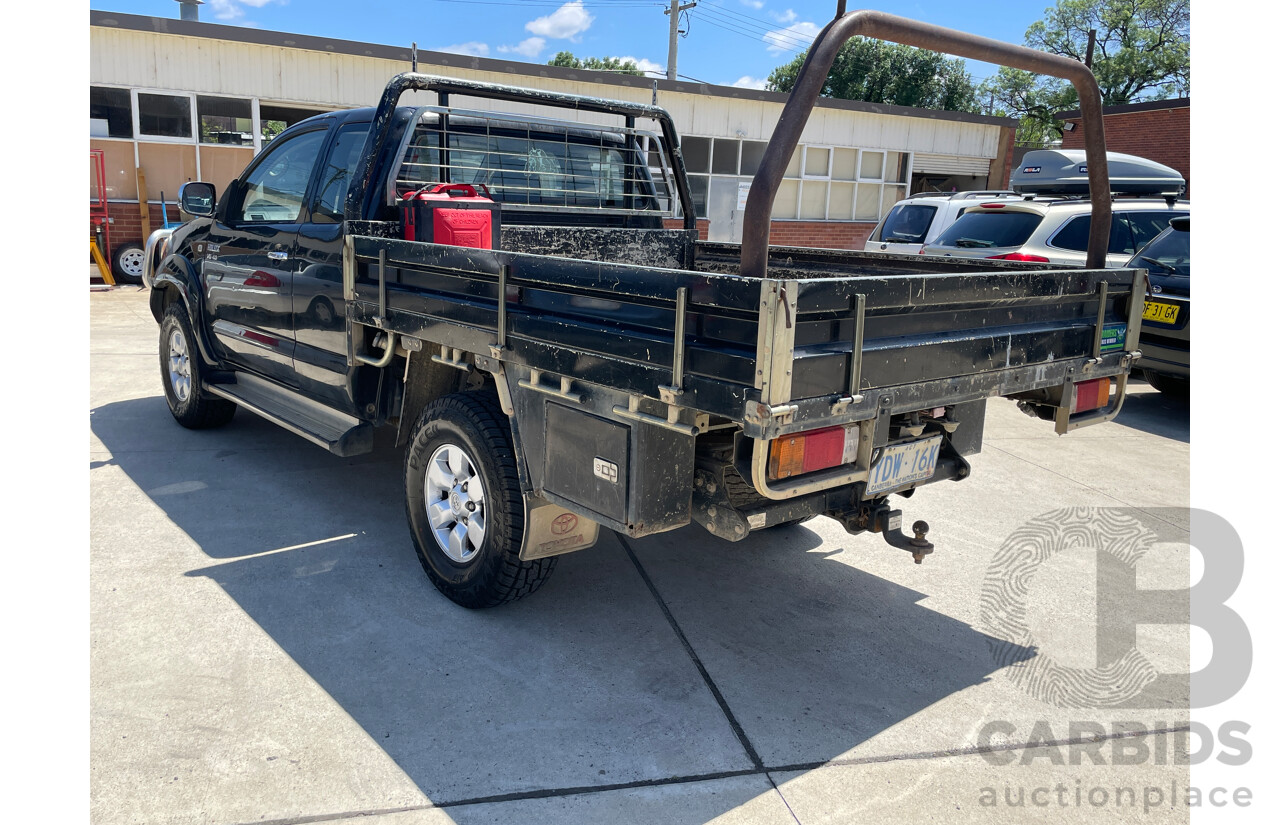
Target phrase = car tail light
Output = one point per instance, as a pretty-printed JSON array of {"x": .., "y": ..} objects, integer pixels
[
  {"x": 1090, "y": 395},
  {"x": 262, "y": 279},
  {"x": 1019, "y": 256},
  {"x": 992, "y": 205},
  {"x": 793, "y": 455}
]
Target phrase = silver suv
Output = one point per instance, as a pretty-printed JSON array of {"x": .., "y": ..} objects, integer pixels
[
  {"x": 1049, "y": 224},
  {"x": 1054, "y": 231},
  {"x": 919, "y": 219}
]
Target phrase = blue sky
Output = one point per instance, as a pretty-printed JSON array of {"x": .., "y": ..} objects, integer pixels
[{"x": 729, "y": 41}]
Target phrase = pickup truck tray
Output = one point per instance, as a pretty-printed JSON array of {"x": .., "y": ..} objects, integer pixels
[{"x": 961, "y": 331}]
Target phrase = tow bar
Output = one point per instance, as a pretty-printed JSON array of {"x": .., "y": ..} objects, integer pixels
[
  {"x": 889, "y": 522},
  {"x": 880, "y": 519}
]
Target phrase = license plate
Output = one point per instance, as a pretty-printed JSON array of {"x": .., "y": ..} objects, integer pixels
[
  {"x": 904, "y": 464},
  {"x": 1160, "y": 313}
]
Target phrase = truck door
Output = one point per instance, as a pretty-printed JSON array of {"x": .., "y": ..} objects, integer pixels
[
  {"x": 319, "y": 309},
  {"x": 249, "y": 266}
]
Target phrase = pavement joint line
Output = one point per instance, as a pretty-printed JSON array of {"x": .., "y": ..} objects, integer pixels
[
  {"x": 756, "y": 761},
  {"x": 551, "y": 793},
  {"x": 304, "y": 545},
  {"x": 767, "y": 772},
  {"x": 1145, "y": 508},
  {"x": 978, "y": 750},
  {"x": 782, "y": 796},
  {"x": 338, "y": 817}
]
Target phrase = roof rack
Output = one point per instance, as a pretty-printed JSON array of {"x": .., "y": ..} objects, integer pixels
[
  {"x": 986, "y": 193},
  {"x": 1068, "y": 197}
]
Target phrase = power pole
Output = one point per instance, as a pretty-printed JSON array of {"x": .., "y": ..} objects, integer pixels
[{"x": 674, "y": 11}]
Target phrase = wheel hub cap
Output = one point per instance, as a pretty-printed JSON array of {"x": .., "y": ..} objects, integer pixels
[
  {"x": 131, "y": 262},
  {"x": 179, "y": 366},
  {"x": 455, "y": 500}
]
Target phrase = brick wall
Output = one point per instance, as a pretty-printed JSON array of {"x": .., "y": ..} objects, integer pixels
[
  {"x": 815, "y": 234},
  {"x": 1162, "y": 135},
  {"x": 126, "y": 223}
]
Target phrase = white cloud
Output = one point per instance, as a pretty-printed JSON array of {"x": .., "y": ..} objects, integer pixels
[
  {"x": 755, "y": 4},
  {"x": 788, "y": 16},
  {"x": 650, "y": 68},
  {"x": 225, "y": 9},
  {"x": 566, "y": 22},
  {"x": 795, "y": 37},
  {"x": 472, "y": 48},
  {"x": 749, "y": 82},
  {"x": 234, "y": 9},
  {"x": 530, "y": 47}
]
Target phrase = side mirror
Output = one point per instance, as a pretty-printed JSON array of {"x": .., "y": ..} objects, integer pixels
[{"x": 197, "y": 198}]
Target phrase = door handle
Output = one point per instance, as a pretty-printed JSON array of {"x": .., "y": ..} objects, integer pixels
[{"x": 278, "y": 256}]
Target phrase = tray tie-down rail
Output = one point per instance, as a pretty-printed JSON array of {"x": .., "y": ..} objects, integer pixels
[{"x": 671, "y": 393}]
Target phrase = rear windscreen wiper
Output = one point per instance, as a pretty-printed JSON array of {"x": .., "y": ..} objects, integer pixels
[
  {"x": 970, "y": 243},
  {"x": 1166, "y": 267}
]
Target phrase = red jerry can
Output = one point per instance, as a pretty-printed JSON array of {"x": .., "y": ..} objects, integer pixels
[{"x": 453, "y": 214}]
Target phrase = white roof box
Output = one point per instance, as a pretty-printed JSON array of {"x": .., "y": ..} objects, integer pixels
[{"x": 1064, "y": 172}]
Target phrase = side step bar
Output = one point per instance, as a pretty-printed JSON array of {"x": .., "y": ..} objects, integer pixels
[{"x": 339, "y": 433}]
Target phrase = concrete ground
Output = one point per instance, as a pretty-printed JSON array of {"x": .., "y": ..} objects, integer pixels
[{"x": 266, "y": 648}]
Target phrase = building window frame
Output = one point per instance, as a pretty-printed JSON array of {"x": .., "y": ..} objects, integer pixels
[
  {"x": 791, "y": 192},
  {"x": 255, "y": 104}
]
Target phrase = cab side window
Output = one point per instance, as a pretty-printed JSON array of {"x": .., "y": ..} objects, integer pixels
[
  {"x": 276, "y": 188},
  {"x": 335, "y": 178}
]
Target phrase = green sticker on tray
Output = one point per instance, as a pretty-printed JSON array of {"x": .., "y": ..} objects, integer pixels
[{"x": 1113, "y": 337}]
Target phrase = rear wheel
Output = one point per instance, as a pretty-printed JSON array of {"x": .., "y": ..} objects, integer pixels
[
  {"x": 183, "y": 375},
  {"x": 462, "y": 498},
  {"x": 1168, "y": 384}
]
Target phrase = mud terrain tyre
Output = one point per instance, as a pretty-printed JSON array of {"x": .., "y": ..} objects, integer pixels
[{"x": 463, "y": 502}]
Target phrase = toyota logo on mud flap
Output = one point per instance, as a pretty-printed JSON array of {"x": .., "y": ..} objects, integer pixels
[{"x": 564, "y": 523}]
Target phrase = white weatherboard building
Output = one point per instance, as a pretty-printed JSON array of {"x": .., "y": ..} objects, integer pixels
[{"x": 184, "y": 100}]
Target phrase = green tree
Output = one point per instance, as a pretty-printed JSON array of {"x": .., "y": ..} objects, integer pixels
[
  {"x": 601, "y": 64},
  {"x": 1142, "y": 52},
  {"x": 881, "y": 72}
]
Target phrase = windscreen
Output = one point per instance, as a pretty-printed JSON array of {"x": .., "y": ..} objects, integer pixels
[
  {"x": 532, "y": 164},
  {"x": 983, "y": 229},
  {"x": 906, "y": 223}
]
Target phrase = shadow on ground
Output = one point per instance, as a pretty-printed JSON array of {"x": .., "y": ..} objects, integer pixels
[
  {"x": 583, "y": 685},
  {"x": 1156, "y": 413}
]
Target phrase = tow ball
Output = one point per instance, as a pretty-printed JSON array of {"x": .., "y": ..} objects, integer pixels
[{"x": 889, "y": 523}]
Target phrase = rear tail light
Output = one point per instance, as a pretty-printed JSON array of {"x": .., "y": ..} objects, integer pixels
[
  {"x": 793, "y": 455},
  {"x": 1019, "y": 256},
  {"x": 1090, "y": 395}
]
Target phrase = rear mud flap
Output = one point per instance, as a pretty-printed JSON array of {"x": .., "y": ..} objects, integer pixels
[{"x": 551, "y": 530}]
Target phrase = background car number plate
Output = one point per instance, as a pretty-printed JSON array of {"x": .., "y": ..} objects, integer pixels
[
  {"x": 904, "y": 464},
  {"x": 1160, "y": 313}
]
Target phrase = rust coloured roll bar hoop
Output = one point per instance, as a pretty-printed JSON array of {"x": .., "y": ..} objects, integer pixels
[{"x": 813, "y": 74}]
